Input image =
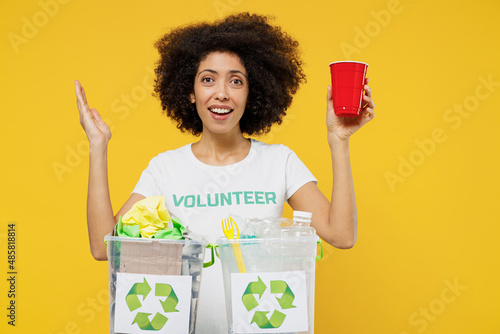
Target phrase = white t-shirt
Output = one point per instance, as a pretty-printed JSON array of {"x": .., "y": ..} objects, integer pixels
[{"x": 202, "y": 196}]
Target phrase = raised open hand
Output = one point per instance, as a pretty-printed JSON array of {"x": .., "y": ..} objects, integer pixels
[{"x": 96, "y": 129}]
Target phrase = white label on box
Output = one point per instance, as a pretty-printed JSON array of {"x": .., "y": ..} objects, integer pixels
[
  {"x": 270, "y": 302},
  {"x": 152, "y": 303}
]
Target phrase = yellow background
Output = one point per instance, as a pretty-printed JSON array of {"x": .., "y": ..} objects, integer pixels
[{"x": 426, "y": 177}]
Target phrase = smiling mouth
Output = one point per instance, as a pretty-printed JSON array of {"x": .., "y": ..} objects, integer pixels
[{"x": 220, "y": 111}]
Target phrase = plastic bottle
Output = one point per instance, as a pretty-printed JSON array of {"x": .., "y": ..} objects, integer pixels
[{"x": 301, "y": 226}]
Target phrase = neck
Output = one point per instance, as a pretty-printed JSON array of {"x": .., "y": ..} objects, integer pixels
[{"x": 221, "y": 149}]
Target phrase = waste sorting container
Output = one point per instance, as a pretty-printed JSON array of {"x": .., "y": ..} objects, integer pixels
[
  {"x": 275, "y": 293},
  {"x": 154, "y": 284}
]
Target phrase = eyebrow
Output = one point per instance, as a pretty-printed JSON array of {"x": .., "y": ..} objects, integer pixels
[{"x": 232, "y": 72}]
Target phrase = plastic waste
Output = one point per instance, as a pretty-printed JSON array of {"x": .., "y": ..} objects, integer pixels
[
  {"x": 258, "y": 228},
  {"x": 299, "y": 227}
]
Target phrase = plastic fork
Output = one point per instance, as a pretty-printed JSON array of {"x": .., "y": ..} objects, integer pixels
[{"x": 231, "y": 231}]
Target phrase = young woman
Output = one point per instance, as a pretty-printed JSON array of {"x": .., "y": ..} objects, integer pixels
[{"x": 225, "y": 81}]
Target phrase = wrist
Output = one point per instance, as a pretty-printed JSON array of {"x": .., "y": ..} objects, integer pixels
[
  {"x": 339, "y": 150},
  {"x": 336, "y": 141},
  {"x": 98, "y": 148}
]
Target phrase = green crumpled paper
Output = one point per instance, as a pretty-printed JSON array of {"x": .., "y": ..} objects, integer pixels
[{"x": 149, "y": 218}]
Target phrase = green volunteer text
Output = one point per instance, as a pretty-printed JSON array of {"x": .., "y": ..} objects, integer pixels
[{"x": 224, "y": 199}]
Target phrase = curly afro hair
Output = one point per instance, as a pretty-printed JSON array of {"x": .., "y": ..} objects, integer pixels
[{"x": 269, "y": 55}]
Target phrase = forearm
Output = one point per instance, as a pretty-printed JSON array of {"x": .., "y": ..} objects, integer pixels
[
  {"x": 100, "y": 219},
  {"x": 343, "y": 213}
]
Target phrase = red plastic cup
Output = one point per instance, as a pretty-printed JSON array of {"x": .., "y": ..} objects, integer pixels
[{"x": 348, "y": 81}]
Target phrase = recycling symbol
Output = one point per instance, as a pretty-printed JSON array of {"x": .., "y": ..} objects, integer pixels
[
  {"x": 260, "y": 317},
  {"x": 168, "y": 305}
]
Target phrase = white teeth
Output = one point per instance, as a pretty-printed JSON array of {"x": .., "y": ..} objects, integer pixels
[{"x": 220, "y": 110}]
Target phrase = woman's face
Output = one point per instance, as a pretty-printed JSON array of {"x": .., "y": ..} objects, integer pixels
[{"x": 220, "y": 92}]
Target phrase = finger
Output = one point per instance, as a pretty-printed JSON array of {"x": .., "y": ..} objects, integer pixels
[
  {"x": 96, "y": 116},
  {"x": 367, "y": 80},
  {"x": 80, "y": 92},
  {"x": 83, "y": 108},
  {"x": 77, "y": 85},
  {"x": 368, "y": 115},
  {"x": 368, "y": 90},
  {"x": 103, "y": 126},
  {"x": 86, "y": 117},
  {"x": 78, "y": 89},
  {"x": 329, "y": 99},
  {"x": 328, "y": 93},
  {"x": 368, "y": 102},
  {"x": 84, "y": 95},
  {"x": 81, "y": 102},
  {"x": 79, "y": 96}
]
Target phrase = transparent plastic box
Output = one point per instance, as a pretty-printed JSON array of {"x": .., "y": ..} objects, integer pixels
[
  {"x": 276, "y": 292},
  {"x": 154, "y": 284}
]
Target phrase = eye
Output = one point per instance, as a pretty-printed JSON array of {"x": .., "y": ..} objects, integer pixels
[
  {"x": 237, "y": 82},
  {"x": 207, "y": 80}
]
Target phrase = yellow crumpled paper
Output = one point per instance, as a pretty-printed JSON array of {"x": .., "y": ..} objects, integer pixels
[{"x": 150, "y": 214}]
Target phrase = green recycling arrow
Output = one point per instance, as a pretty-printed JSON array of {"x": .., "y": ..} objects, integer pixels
[
  {"x": 287, "y": 298},
  {"x": 248, "y": 296},
  {"x": 142, "y": 289},
  {"x": 165, "y": 290},
  {"x": 261, "y": 320},
  {"x": 142, "y": 320}
]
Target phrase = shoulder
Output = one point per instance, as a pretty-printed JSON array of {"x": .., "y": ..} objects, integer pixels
[
  {"x": 167, "y": 157},
  {"x": 277, "y": 154},
  {"x": 175, "y": 153},
  {"x": 272, "y": 149}
]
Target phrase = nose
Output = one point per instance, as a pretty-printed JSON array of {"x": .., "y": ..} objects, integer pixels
[{"x": 221, "y": 92}]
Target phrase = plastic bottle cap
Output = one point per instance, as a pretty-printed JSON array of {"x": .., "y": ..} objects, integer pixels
[
  {"x": 302, "y": 214},
  {"x": 302, "y": 217}
]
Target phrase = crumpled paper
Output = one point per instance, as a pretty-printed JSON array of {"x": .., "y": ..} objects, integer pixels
[{"x": 149, "y": 218}]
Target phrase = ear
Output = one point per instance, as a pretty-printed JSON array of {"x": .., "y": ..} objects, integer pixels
[{"x": 191, "y": 96}]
